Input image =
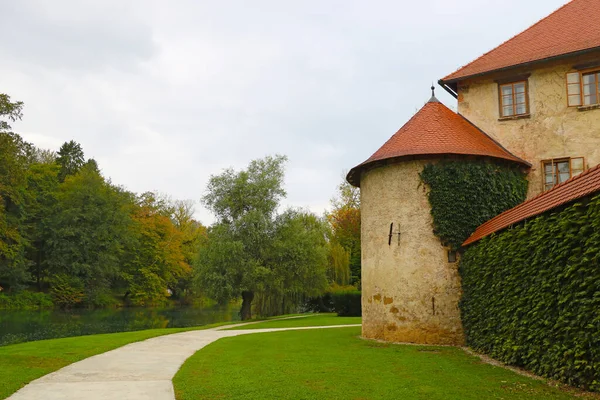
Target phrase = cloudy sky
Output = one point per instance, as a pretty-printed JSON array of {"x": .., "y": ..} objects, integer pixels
[{"x": 165, "y": 93}]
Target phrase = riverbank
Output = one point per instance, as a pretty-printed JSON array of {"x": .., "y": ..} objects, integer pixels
[{"x": 23, "y": 326}]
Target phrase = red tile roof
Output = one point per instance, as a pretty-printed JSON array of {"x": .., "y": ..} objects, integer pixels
[
  {"x": 572, "y": 28},
  {"x": 435, "y": 129},
  {"x": 575, "y": 188}
]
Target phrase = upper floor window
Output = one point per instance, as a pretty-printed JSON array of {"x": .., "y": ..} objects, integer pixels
[
  {"x": 583, "y": 88},
  {"x": 559, "y": 170},
  {"x": 513, "y": 99}
]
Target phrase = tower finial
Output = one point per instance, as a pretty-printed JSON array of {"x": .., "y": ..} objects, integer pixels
[{"x": 433, "y": 99}]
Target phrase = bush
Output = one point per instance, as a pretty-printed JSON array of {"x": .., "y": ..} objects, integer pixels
[
  {"x": 531, "y": 295},
  {"x": 66, "y": 291},
  {"x": 25, "y": 300},
  {"x": 347, "y": 303}
]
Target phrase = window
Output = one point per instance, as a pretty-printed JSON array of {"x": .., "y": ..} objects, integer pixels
[
  {"x": 451, "y": 256},
  {"x": 513, "y": 99},
  {"x": 559, "y": 170},
  {"x": 583, "y": 88}
]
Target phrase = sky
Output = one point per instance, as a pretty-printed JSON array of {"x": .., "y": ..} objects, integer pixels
[{"x": 164, "y": 94}]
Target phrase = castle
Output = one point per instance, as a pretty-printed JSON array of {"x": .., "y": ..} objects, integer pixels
[{"x": 532, "y": 102}]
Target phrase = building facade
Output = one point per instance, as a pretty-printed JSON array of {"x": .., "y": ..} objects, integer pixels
[{"x": 533, "y": 101}]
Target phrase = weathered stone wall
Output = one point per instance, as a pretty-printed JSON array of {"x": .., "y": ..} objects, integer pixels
[
  {"x": 553, "y": 129},
  {"x": 410, "y": 292}
]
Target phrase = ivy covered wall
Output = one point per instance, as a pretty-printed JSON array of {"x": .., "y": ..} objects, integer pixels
[
  {"x": 464, "y": 194},
  {"x": 531, "y": 295}
]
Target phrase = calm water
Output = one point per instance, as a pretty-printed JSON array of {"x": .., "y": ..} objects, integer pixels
[{"x": 22, "y": 326}]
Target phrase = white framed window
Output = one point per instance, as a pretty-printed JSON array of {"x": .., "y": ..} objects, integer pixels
[
  {"x": 514, "y": 99},
  {"x": 559, "y": 170},
  {"x": 583, "y": 88}
]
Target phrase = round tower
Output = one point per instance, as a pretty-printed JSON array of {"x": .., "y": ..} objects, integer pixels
[{"x": 410, "y": 281}]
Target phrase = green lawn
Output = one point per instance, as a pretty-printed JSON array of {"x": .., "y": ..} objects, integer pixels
[
  {"x": 337, "y": 364},
  {"x": 21, "y": 363},
  {"x": 303, "y": 320}
]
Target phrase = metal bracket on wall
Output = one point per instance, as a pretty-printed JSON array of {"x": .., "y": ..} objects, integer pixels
[{"x": 392, "y": 233}]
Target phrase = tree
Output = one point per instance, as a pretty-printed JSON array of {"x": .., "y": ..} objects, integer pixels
[
  {"x": 339, "y": 264},
  {"x": 87, "y": 229},
  {"x": 192, "y": 233},
  {"x": 251, "y": 249},
  {"x": 155, "y": 261},
  {"x": 39, "y": 203},
  {"x": 297, "y": 259},
  {"x": 14, "y": 161},
  {"x": 71, "y": 159},
  {"x": 9, "y": 111},
  {"x": 344, "y": 220}
]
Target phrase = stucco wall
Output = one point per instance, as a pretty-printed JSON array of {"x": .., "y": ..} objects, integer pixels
[
  {"x": 553, "y": 129},
  {"x": 410, "y": 292}
]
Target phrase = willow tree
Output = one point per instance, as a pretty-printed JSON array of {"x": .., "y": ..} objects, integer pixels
[{"x": 251, "y": 248}]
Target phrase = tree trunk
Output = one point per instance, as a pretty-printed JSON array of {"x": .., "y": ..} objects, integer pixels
[{"x": 246, "y": 311}]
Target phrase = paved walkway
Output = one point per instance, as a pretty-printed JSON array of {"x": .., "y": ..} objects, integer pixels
[{"x": 137, "y": 371}]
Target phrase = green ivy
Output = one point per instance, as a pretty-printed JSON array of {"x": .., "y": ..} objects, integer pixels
[
  {"x": 531, "y": 295},
  {"x": 465, "y": 194}
]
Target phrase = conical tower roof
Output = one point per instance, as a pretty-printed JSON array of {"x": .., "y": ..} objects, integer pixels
[{"x": 436, "y": 130}]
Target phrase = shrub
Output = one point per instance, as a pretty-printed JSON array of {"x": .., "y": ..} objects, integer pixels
[
  {"x": 66, "y": 291},
  {"x": 531, "y": 295},
  {"x": 25, "y": 300},
  {"x": 347, "y": 303}
]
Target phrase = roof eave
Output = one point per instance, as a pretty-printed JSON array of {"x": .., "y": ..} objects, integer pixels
[
  {"x": 452, "y": 82},
  {"x": 354, "y": 175}
]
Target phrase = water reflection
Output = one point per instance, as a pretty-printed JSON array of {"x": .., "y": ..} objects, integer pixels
[{"x": 22, "y": 326}]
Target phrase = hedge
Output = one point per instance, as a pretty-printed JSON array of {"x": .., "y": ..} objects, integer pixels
[
  {"x": 347, "y": 303},
  {"x": 532, "y": 295}
]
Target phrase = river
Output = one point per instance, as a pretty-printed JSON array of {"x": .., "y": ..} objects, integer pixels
[{"x": 24, "y": 326}]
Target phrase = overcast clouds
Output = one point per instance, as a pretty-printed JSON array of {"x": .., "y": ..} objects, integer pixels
[{"x": 165, "y": 93}]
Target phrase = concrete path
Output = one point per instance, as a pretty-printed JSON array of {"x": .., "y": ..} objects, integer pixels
[{"x": 137, "y": 371}]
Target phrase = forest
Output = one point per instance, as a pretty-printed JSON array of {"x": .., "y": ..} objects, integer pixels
[{"x": 69, "y": 237}]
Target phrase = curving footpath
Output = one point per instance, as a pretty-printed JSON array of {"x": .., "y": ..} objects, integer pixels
[{"x": 137, "y": 371}]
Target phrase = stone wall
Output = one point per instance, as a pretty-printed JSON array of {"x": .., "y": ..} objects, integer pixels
[
  {"x": 553, "y": 129},
  {"x": 410, "y": 292}
]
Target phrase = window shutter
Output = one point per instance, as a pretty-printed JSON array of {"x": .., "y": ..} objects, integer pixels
[
  {"x": 573, "y": 89},
  {"x": 577, "y": 165}
]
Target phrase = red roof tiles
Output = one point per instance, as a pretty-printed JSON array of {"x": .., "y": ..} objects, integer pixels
[
  {"x": 575, "y": 188},
  {"x": 435, "y": 129},
  {"x": 572, "y": 28}
]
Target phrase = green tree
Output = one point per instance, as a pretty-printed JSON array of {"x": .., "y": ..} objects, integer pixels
[
  {"x": 71, "y": 159},
  {"x": 344, "y": 220},
  {"x": 39, "y": 202},
  {"x": 297, "y": 262},
  {"x": 87, "y": 230},
  {"x": 9, "y": 112},
  {"x": 250, "y": 248},
  {"x": 14, "y": 161}
]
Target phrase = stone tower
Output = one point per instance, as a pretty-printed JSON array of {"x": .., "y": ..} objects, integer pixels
[{"x": 410, "y": 281}]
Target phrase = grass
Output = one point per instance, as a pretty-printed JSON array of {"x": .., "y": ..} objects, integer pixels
[
  {"x": 337, "y": 364},
  {"x": 21, "y": 363},
  {"x": 303, "y": 320}
]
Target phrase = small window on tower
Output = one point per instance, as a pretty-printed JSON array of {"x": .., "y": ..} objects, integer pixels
[{"x": 451, "y": 256}]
